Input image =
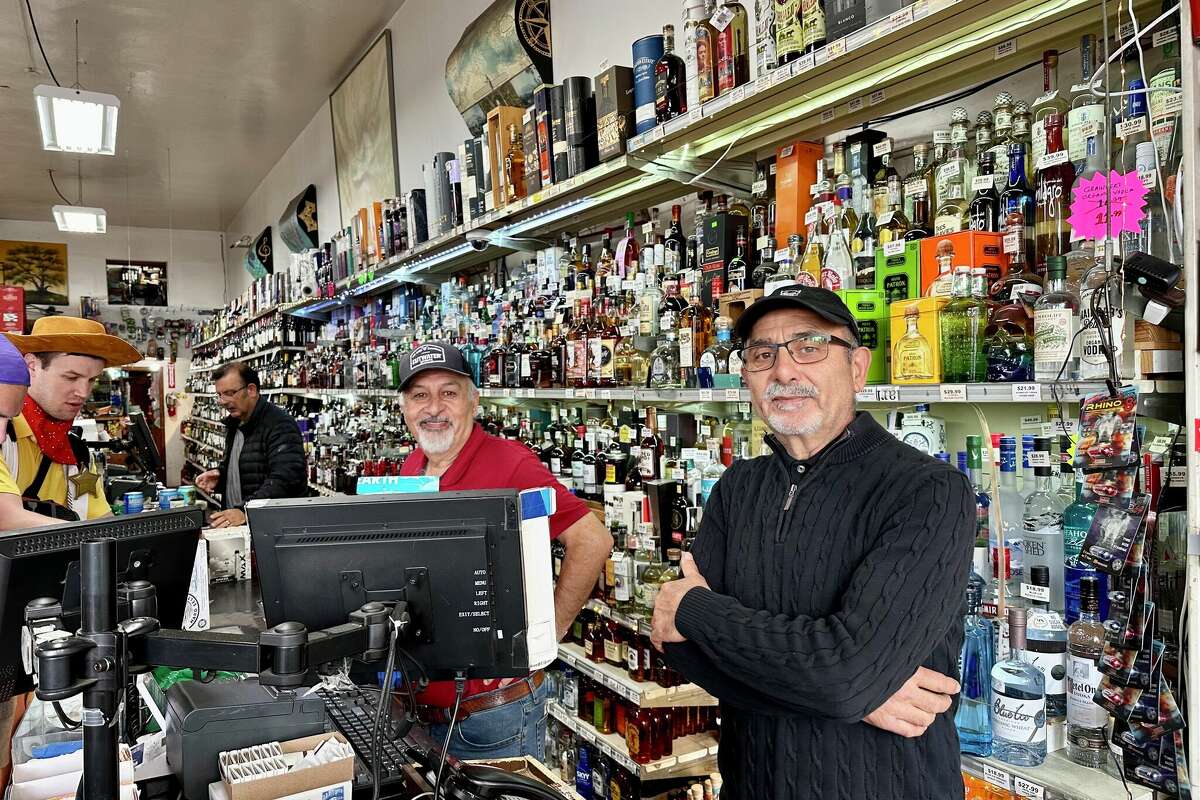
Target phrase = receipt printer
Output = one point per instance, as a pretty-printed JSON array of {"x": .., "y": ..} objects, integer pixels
[{"x": 205, "y": 719}]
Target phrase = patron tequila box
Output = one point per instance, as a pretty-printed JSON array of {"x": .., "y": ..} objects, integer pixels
[
  {"x": 870, "y": 311},
  {"x": 898, "y": 270},
  {"x": 915, "y": 345},
  {"x": 968, "y": 249}
]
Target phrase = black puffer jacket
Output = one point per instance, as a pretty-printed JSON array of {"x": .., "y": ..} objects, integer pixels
[{"x": 272, "y": 463}]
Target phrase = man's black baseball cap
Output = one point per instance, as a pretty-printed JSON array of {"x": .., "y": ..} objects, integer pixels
[
  {"x": 821, "y": 302},
  {"x": 432, "y": 355}
]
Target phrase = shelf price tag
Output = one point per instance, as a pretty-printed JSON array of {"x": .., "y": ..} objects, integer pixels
[
  {"x": 733, "y": 394},
  {"x": 1025, "y": 788},
  {"x": 738, "y": 94},
  {"x": 706, "y": 394},
  {"x": 1130, "y": 127},
  {"x": 869, "y": 394},
  {"x": 877, "y": 97},
  {"x": 997, "y": 777},
  {"x": 1022, "y": 392},
  {"x": 1031, "y": 422},
  {"x": 781, "y": 74},
  {"x": 895, "y": 248},
  {"x": 606, "y": 394},
  {"x": 953, "y": 392},
  {"x": 835, "y": 49},
  {"x": 855, "y": 105},
  {"x": 1048, "y": 160},
  {"x": 888, "y": 394},
  {"x": 1005, "y": 49},
  {"x": 1038, "y": 594},
  {"x": 828, "y": 114},
  {"x": 1039, "y": 458}
]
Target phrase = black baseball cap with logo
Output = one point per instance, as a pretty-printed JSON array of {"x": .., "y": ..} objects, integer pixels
[
  {"x": 821, "y": 302},
  {"x": 432, "y": 355}
]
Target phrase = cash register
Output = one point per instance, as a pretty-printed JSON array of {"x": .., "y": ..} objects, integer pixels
[{"x": 448, "y": 579}]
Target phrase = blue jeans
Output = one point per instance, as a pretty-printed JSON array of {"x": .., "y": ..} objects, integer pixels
[{"x": 513, "y": 729}]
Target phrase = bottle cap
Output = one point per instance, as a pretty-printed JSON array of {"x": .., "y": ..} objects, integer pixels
[
  {"x": 1089, "y": 594},
  {"x": 1039, "y": 575},
  {"x": 1017, "y": 618}
]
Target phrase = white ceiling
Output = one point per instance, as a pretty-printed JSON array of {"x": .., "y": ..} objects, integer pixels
[{"x": 224, "y": 85}]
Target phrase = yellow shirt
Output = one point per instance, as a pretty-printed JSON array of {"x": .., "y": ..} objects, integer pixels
[{"x": 54, "y": 487}]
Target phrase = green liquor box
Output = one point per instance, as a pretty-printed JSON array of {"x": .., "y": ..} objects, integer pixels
[
  {"x": 871, "y": 313},
  {"x": 898, "y": 270}
]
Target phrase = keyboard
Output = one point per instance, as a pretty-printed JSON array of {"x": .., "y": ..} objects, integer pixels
[{"x": 352, "y": 711}]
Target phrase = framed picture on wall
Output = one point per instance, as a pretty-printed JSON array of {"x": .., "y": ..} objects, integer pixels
[
  {"x": 136, "y": 283},
  {"x": 363, "y": 112},
  {"x": 40, "y": 268}
]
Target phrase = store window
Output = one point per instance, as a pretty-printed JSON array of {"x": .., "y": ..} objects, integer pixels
[{"x": 137, "y": 283}]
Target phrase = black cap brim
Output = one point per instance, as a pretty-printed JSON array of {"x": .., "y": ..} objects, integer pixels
[{"x": 760, "y": 308}]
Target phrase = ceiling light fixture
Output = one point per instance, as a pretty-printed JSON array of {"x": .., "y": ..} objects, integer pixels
[
  {"x": 78, "y": 218},
  {"x": 72, "y": 119}
]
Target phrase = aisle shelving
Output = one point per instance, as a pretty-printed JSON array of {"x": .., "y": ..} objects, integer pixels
[
  {"x": 1058, "y": 778},
  {"x": 642, "y": 693},
  {"x": 205, "y": 448},
  {"x": 270, "y": 351},
  {"x": 693, "y": 755}
]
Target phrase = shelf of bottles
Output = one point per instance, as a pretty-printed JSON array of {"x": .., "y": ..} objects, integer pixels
[
  {"x": 693, "y": 755},
  {"x": 1058, "y": 778},
  {"x": 645, "y": 694},
  {"x": 250, "y": 357},
  {"x": 202, "y": 447}
]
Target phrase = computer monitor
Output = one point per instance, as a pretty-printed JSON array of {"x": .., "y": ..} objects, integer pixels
[
  {"x": 156, "y": 546},
  {"x": 456, "y": 558},
  {"x": 143, "y": 442}
]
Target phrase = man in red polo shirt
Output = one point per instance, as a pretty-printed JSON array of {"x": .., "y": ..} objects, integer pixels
[{"x": 503, "y": 718}]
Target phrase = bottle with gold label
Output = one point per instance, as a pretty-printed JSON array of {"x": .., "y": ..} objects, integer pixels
[
  {"x": 912, "y": 357},
  {"x": 789, "y": 31}
]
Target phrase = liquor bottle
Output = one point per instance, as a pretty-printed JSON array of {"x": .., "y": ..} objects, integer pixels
[
  {"x": 1077, "y": 521},
  {"x": 1018, "y": 702},
  {"x": 1018, "y": 199},
  {"x": 809, "y": 271},
  {"x": 892, "y": 223},
  {"x": 1011, "y": 504},
  {"x": 733, "y": 47},
  {"x": 670, "y": 81},
  {"x": 943, "y": 284},
  {"x": 737, "y": 270},
  {"x": 984, "y": 209},
  {"x": 1042, "y": 541},
  {"x": 706, "y": 60},
  {"x": 952, "y": 179},
  {"x": 1046, "y": 641},
  {"x": 695, "y": 335},
  {"x": 961, "y": 327},
  {"x": 1022, "y": 121},
  {"x": 514, "y": 166},
  {"x": 921, "y": 227},
  {"x": 629, "y": 252},
  {"x": 912, "y": 357},
  {"x": 862, "y": 248},
  {"x": 1138, "y": 155},
  {"x": 675, "y": 246},
  {"x": 764, "y": 38},
  {"x": 983, "y": 143},
  {"x": 1002, "y": 120},
  {"x": 789, "y": 31},
  {"x": 1096, "y": 335},
  {"x": 1009, "y": 343},
  {"x": 715, "y": 359},
  {"x": 974, "y": 716},
  {"x": 1086, "y": 721},
  {"x": 1052, "y": 102},
  {"x": 812, "y": 14},
  {"x": 1086, "y": 117},
  {"x": 1056, "y": 318},
  {"x": 664, "y": 361},
  {"x": 919, "y": 182},
  {"x": 1055, "y": 176},
  {"x": 837, "y": 270}
]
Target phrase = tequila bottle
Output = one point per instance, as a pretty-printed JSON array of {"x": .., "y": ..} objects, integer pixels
[
  {"x": 837, "y": 271},
  {"x": 862, "y": 248},
  {"x": 1046, "y": 639},
  {"x": 920, "y": 181},
  {"x": 943, "y": 284},
  {"x": 1086, "y": 721},
  {"x": 715, "y": 359},
  {"x": 1018, "y": 702},
  {"x": 952, "y": 178},
  {"x": 1055, "y": 320},
  {"x": 1086, "y": 117},
  {"x": 664, "y": 362},
  {"x": 912, "y": 357},
  {"x": 1052, "y": 102},
  {"x": 974, "y": 716},
  {"x": 1002, "y": 119},
  {"x": 961, "y": 324},
  {"x": 983, "y": 212},
  {"x": 1055, "y": 176},
  {"x": 1077, "y": 521}
]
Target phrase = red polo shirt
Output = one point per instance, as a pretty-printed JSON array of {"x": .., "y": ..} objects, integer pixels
[{"x": 489, "y": 462}]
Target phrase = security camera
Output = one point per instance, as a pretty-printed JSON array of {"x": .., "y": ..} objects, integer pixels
[{"x": 479, "y": 240}]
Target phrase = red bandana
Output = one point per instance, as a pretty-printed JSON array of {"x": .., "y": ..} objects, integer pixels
[{"x": 50, "y": 433}]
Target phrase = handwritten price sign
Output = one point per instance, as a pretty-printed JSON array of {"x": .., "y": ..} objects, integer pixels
[{"x": 1091, "y": 205}]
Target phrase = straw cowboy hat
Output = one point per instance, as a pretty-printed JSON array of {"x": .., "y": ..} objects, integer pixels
[{"x": 85, "y": 337}]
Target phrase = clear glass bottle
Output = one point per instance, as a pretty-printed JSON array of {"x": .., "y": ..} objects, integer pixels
[
  {"x": 1046, "y": 636},
  {"x": 1077, "y": 521},
  {"x": 1051, "y": 102},
  {"x": 1002, "y": 120},
  {"x": 974, "y": 716},
  {"x": 952, "y": 177},
  {"x": 715, "y": 359},
  {"x": 1086, "y": 107},
  {"x": 1055, "y": 320},
  {"x": 1019, "y": 702},
  {"x": 1053, "y": 195},
  {"x": 984, "y": 534},
  {"x": 733, "y": 48},
  {"x": 961, "y": 326},
  {"x": 1093, "y": 363},
  {"x": 1043, "y": 523},
  {"x": 912, "y": 356},
  {"x": 943, "y": 284},
  {"x": 1086, "y": 721},
  {"x": 664, "y": 362}
]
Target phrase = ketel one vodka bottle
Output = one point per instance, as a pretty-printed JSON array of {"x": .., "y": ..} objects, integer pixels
[
  {"x": 1086, "y": 721},
  {"x": 1018, "y": 702}
]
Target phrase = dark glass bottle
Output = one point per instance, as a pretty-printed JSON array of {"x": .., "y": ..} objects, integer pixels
[
  {"x": 984, "y": 210},
  {"x": 920, "y": 227},
  {"x": 1018, "y": 197},
  {"x": 670, "y": 83}
]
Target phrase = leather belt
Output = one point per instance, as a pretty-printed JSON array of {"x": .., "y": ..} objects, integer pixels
[{"x": 436, "y": 715}]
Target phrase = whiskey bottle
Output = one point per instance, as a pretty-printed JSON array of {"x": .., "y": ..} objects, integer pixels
[
  {"x": 514, "y": 166},
  {"x": 737, "y": 269},
  {"x": 670, "y": 81}
]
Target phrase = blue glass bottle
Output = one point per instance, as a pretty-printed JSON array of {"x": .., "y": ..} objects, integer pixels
[
  {"x": 974, "y": 717},
  {"x": 583, "y": 771},
  {"x": 1018, "y": 702},
  {"x": 1077, "y": 520}
]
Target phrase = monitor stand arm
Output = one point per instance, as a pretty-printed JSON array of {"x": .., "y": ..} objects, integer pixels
[{"x": 100, "y": 660}]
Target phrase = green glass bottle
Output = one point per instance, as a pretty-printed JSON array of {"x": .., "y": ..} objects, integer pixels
[{"x": 962, "y": 324}]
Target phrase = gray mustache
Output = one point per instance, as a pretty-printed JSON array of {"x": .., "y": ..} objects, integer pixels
[{"x": 790, "y": 390}]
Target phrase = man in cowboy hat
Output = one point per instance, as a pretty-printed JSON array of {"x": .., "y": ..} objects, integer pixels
[{"x": 64, "y": 356}]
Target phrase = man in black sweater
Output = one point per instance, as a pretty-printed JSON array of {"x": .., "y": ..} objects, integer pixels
[
  {"x": 264, "y": 452},
  {"x": 821, "y": 601}
]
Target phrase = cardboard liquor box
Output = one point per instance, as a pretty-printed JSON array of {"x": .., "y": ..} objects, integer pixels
[
  {"x": 899, "y": 273},
  {"x": 530, "y": 767},
  {"x": 795, "y": 173},
  {"x": 529, "y": 141},
  {"x": 228, "y": 553},
  {"x": 847, "y": 16},
  {"x": 734, "y": 303},
  {"x": 971, "y": 249},
  {"x": 558, "y": 134},
  {"x": 579, "y": 105},
  {"x": 870, "y": 311},
  {"x": 541, "y": 123},
  {"x": 718, "y": 248},
  {"x": 916, "y": 346},
  {"x": 499, "y": 139},
  {"x": 614, "y": 111},
  {"x": 321, "y": 782}
]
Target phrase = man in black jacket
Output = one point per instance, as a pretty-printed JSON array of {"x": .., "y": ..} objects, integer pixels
[
  {"x": 821, "y": 602},
  {"x": 264, "y": 454}
]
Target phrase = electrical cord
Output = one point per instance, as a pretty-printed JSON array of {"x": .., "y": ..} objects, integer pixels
[
  {"x": 67, "y": 722},
  {"x": 38, "y": 37},
  {"x": 460, "y": 686},
  {"x": 961, "y": 95},
  {"x": 56, "y": 189},
  {"x": 381, "y": 710}
]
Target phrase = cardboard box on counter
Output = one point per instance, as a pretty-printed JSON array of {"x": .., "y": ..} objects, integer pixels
[
  {"x": 332, "y": 781},
  {"x": 228, "y": 554}
]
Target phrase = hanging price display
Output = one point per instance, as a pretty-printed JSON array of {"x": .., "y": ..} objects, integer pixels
[{"x": 1091, "y": 212}]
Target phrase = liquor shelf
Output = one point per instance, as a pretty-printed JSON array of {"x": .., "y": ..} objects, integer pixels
[
  {"x": 323, "y": 491},
  {"x": 206, "y": 448},
  {"x": 694, "y": 755},
  {"x": 270, "y": 351},
  {"x": 238, "y": 326},
  {"x": 206, "y": 421},
  {"x": 644, "y": 694},
  {"x": 638, "y": 624},
  {"x": 1058, "y": 778}
]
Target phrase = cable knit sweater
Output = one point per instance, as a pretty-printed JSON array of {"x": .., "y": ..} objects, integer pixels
[{"x": 832, "y": 579}]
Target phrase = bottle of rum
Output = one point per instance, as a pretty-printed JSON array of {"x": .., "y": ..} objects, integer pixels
[
  {"x": 1019, "y": 702},
  {"x": 670, "y": 81}
]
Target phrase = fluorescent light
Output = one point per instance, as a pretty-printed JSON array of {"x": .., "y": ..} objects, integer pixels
[
  {"x": 77, "y": 121},
  {"x": 79, "y": 219}
]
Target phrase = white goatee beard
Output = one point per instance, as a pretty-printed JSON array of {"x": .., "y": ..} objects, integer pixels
[{"x": 434, "y": 443}]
